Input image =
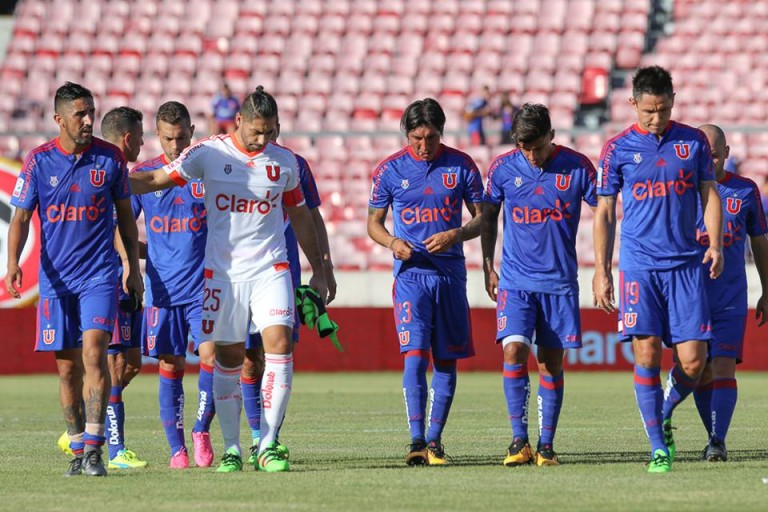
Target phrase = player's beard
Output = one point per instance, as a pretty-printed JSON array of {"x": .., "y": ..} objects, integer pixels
[{"x": 81, "y": 138}]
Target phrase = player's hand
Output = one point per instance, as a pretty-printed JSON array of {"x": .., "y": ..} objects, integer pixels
[
  {"x": 602, "y": 291},
  {"x": 401, "y": 249},
  {"x": 13, "y": 281},
  {"x": 132, "y": 282},
  {"x": 716, "y": 257},
  {"x": 330, "y": 279},
  {"x": 318, "y": 283},
  {"x": 761, "y": 311},
  {"x": 492, "y": 284},
  {"x": 441, "y": 242}
]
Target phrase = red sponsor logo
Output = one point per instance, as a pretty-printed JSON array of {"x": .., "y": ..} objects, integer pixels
[
  {"x": 284, "y": 313},
  {"x": 234, "y": 204},
  {"x": 563, "y": 181},
  {"x": 683, "y": 151},
  {"x": 733, "y": 205},
  {"x": 267, "y": 390},
  {"x": 449, "y": 180},
  {"x": 652, "y": 189},
  {"x": 630, "y": 319},
  {"x": 530, "y": 215},
  {"x": 103, "y": 321},
  {"x": 166, "y": 224},
  {"x": 731, "y": 235},
  {"x": 273, "y": 172},
  {"x": 421, "y": 215}
]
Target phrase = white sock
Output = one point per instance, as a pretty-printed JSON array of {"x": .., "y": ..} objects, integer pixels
[
  {"x": 228, "y": 401},
  {"x": 275, "y": 393}
]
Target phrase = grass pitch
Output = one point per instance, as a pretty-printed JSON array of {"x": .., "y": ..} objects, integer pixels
[{"x": 348, "y": 435}]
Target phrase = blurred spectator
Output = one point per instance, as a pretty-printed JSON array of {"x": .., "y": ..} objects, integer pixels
[
  {"x": 477, "y": 109},
  {"x": 224, "y": 107},
  {"x": 507, "y": 111}
]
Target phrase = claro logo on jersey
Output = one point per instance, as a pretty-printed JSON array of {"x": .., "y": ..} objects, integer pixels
[
  {"x": 731, "y": 235},
  {"x": 235, "y": 204},
  {"x": 423, "y": 215},
  {"x": 652, "y": 189},
  {"x": 69, "y": 213},
  {"x": 168, "y": 224},
  {"x": 530, "y": 215}
]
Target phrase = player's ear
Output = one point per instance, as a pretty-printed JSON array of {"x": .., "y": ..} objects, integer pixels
[
  {"x": 727, "y": 152},
  {"x": 192, "y": 130}
]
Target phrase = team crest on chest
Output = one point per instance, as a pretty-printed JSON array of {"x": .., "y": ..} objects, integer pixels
[
  {"x": 273, "y": 172},
  {"x": 227, "y": 168},
  {"x": 637, "y": 158},
  {"x": 449, "y": 180},
  {"x": 54, "y": 181},
  {"x": 733, "y": 205},
  {"x": 97, "y": 177},
  {"x": 563, "y": 181},
  {"x": 158, "y": 193},
  {"x": 404, "y": 184},
  {"x": 518, "y": 181},
  {"x": 197, "y": 189},
  {"x": 683, "y": 151}
]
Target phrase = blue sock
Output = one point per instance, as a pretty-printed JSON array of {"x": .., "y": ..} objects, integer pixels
[
  {"x": 92, "y": 442},
  {"x": 441, "y": 397},
  {"x": 679, "y": 386},
  {"x": 551, "y": 391},
  {"x": 171, "y": 398},
  {"x": 724, "y": 395},
  {"x": 650, "y": 397},
  {"x": 114, "y": 420},
  {"x": 415, "y": 390},
  {"x": 517, "y": 390},
  {"x": 205, "y": 403},
  {"x": 702, "y": 395},
  {"x": 251, "y": 389}
]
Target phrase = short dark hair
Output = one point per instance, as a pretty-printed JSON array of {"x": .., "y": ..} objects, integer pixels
[
  {"x": 259, "y": 104},
  {"x": 173, "y": 112},
  {"x": 653, "y": 80},
  {"x": 422, "y": 113},
  {"x": 68, "y": 92},
  {"x": 531, "y": 123},
  {"x": 119, "y": 121}
]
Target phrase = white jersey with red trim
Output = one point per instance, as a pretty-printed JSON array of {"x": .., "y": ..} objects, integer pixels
[{"x": 244, "y": 197}]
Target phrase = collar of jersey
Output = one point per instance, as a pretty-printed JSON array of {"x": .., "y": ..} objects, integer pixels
[
  {"x": 249, "y": 154},
  {"x": 164, "y": 159},
  {"x": 416, "y": 157},
  {"x": 726, "y": 178},
  {"x": 57, "y": 140}
]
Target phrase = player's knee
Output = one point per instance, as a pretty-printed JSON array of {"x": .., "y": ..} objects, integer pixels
[
  {"x": 693, "y": 368},
  {"x": 516, "y": 353}
]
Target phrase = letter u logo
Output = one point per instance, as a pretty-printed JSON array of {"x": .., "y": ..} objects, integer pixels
[
  {"x": 405, "y": 337},
  {"x": 563, "y": 181},
  {"x": 733, "y": 205},
  {"x": 207, "y": 326},
  {"x": 125, "y": 332},
  {"x": 683, "y": 151},
  {"x": 151, "y": 342},
  {"x": 97, "y": 177},
  {"x": 501, "y": 323},
  {"x": 49, "y": 335},
  {"x": 198, "y": 189},
  {"x": 273, "y": 172},
  {"x": 152, "y": 316},
  {"x": 449, "y": 180},
  {"x": 630, "y": 319}
]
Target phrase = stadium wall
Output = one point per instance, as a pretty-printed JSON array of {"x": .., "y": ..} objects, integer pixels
[{"x": 370, "y": 344}]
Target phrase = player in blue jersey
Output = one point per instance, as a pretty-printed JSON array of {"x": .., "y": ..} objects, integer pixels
[
  {"x": 75, "y": 181},
  {"x": 661, "y": 168},
  {"x": 478, "y": 109},
  {"x": 253, "y": 366},
  {"x": 426, "y": 183},
  {"x": 122, "y": 126},
  {"x": 743, "y": 215},
  {"x": 176, "y": 230},
  {"x": 541, "y": 186}
]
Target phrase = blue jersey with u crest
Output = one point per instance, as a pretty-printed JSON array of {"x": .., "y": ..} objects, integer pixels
[
  {"x": 74, "y": 195},
  {"x": 743, "y": 217},
  {"x": 542, "y": 208},
  {"x": 426, "y": 198},
  {"x": 177, "y": 229},
  {"x": 659, "y": 181}
]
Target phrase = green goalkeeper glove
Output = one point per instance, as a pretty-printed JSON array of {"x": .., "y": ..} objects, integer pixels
[{"x": 312, "y": 312}]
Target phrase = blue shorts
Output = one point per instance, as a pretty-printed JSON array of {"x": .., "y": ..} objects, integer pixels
[
  {"x": 432, "y": 313},
  {"x": 728, "y": 337},
  {"x": 127, "y": 332},
  {"x": 61, "y": 321},
  {"x": 167, "y": 330},
  {"x": 671, "y": 304},
  {"x": 554, "y": 319}
]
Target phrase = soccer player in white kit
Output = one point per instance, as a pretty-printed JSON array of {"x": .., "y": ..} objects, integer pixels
[{"x": 249, "y": 183}]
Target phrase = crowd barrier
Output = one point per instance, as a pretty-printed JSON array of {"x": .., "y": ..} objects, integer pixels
[{"x": 370, "y": 344}]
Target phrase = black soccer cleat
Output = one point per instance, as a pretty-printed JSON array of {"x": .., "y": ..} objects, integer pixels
[
  {"x": 75, "y": 467},
  {"x": 417, "y": 456},
  {"x": 93, "y": 465}
]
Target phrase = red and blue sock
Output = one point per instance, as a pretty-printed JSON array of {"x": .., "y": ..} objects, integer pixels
[
  {"x": 206, "y": 408},
  {"x": 517, "y": 390},
  {"x": 724, "y": 395},
  {"x": 415, "y": 390},
  {"x": 115, "y": 421},
  {"x": 702, "y": 395},
  {"x": 251, "y": 389},
  {"x": 551, "y": 389},
  {"x": 650, "y": 398},
  {"x": 92, "y": 442},
  {"x": 441, "y": 397},
  {"x": 679, "y": 386},
  {"x": 171, "y": 398}
]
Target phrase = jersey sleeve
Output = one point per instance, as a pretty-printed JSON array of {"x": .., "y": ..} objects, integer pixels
[
  {"x": 120, "y": 187},
  {"x": 609, "y": 178},
  {"x": 494, "y": 189},
  {"x": 189, "y": 166},
  {"x": 590, "y": 183},
  {"x": 136, "y": 205},
  {"x": 293, "y": 195},
  {"x": 473, "y": 190},
  {"x": 25, "y": 191},
  {"x": 381, "y": 195},
  {"x": 308, "y": 185},
  {"x": 756, "y": 221}
]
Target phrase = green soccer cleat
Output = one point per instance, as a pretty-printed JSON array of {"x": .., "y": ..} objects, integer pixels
[
  {"x": 63, "y": 444},
  {"x": 230, "y": 462},
  {"x": 661, "y": 462},
  {"x": 669, "y": 439},
  {"x": 126, "y": 459},
  {"x": 281, "y": 448},
  {"x": 271, "y": 460}
]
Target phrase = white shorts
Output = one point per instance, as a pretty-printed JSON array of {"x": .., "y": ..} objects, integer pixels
[{"x": 232, "y": 310}]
